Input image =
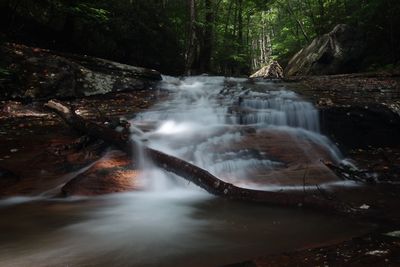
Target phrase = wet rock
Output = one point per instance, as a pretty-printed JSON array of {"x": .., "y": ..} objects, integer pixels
[
  {"x": 358, "y": 127},
  {"x": 325, "y": 102},
  {"x": 393, "y": 234},
  {"x": 114, "y": 173},
  {"x": 272, "y": 70},
  {"x": 44, "y": 74},
  {"x": 339, "y": 51},
  {"x": 295, "y": 161},
  {"x": 356, "y": 110}
]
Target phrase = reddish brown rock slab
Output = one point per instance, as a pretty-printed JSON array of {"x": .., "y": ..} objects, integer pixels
[
  {"x": 38, "y": 159},
  {"x": 299, "y": 158},
  {"x": 27, "y": 156},
  {"x": 307, "y": 175},
  {"x": 33, "y": 140},
  {"x": 111, "y": 174}
]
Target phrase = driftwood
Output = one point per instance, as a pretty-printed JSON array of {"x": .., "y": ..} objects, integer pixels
[
  {"x": 347, "y": 173},
  {"x": 195, "y": 174}
]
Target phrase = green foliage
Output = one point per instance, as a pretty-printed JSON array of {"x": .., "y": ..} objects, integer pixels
[
  {"x": 88, "y": 12},
  {"x": 4, "y": 73},
  {"x": 130, "y": 31},
  {"x": 292, "y": 24},
  {"x": 245, "y": 34}
]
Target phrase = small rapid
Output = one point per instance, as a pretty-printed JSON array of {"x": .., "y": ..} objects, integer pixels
[
  {"x": 238, "y": 129},
  {"x": 283, "y": 108}
]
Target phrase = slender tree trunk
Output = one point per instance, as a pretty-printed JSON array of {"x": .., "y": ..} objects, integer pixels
[
  {"x": 235, "y": 16},
  {"x": 240, "y": 25},
  {"x": 248, "y": 30},
  {"x": 191, "y": 47},
  {"x": 321, "y": 16},
  {"x": 206, "y": 49},
  {"x": 226, "y": 35},
  {"x": 316, "y": 26},
  {"x": 296, "y": 19},
  {"x": 228, "y": 18},
  {"x": 239, "y": 35}
]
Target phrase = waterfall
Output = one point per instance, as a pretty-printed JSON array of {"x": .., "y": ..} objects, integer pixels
[
  {"x": 280, "y": 108},
  {"x": 197, "y": 124},
  {"x": 205, "y": 120}
]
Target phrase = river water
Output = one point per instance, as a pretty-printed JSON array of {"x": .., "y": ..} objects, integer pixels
[{"x": 254, "y": 134}]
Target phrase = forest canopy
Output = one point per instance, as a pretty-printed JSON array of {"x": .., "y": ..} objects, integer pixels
[{"x": 230, "y": 37}]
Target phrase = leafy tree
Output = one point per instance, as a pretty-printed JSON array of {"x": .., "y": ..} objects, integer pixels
[{"x": 231, "y": 37}]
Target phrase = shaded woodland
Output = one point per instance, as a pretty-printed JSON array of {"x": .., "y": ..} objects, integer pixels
[{"x": 205, "y": 36}]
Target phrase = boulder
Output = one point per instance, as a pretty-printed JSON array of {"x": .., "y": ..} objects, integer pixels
[
  {"x": 339, "y": 51},
  {"x": 272, "y": 70},
  {"x": 43, "y": 74}
]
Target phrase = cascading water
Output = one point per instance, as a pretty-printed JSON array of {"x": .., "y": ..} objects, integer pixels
[
  {"x": 253, "y": 134},
  {"x": 215, "y": 122},
  {"x": 283, "y": 108}
]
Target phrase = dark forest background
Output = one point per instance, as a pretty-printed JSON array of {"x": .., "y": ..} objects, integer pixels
[{"x": 230, "y": 37}]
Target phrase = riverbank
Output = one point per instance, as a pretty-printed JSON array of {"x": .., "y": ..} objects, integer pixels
[{"x": 350, "y": 89}]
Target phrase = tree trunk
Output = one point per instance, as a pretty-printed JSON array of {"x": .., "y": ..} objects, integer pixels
[
  {"x": 289, "y": 9},
  {"x": 240, "y": 25},
  {"x": 316, "y": 26},
  {"x": 191, "y": 47},
  {"x": 206, "y": 49}
]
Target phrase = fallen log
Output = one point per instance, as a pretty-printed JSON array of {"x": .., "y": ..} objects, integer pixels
[
  {"x": 195, "y": 174},
  {"x": 347, "y": 173}
]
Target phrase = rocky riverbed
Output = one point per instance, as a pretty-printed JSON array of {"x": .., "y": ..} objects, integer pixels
[
  {"x": 35, "y": 138},
  {"x": 39, "y": 154}
]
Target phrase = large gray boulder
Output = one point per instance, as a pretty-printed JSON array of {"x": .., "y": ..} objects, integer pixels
[
  {"x": 339, "y": 51},
  {"x": 42, "y": 74}
]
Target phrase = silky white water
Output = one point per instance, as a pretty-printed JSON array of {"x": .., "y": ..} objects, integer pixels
[
  {"x": 242, "y": 132},
  {"x": 206, "y": 118}
]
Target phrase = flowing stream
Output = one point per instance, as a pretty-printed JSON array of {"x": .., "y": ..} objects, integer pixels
[{"x": 254, "y": 134}]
